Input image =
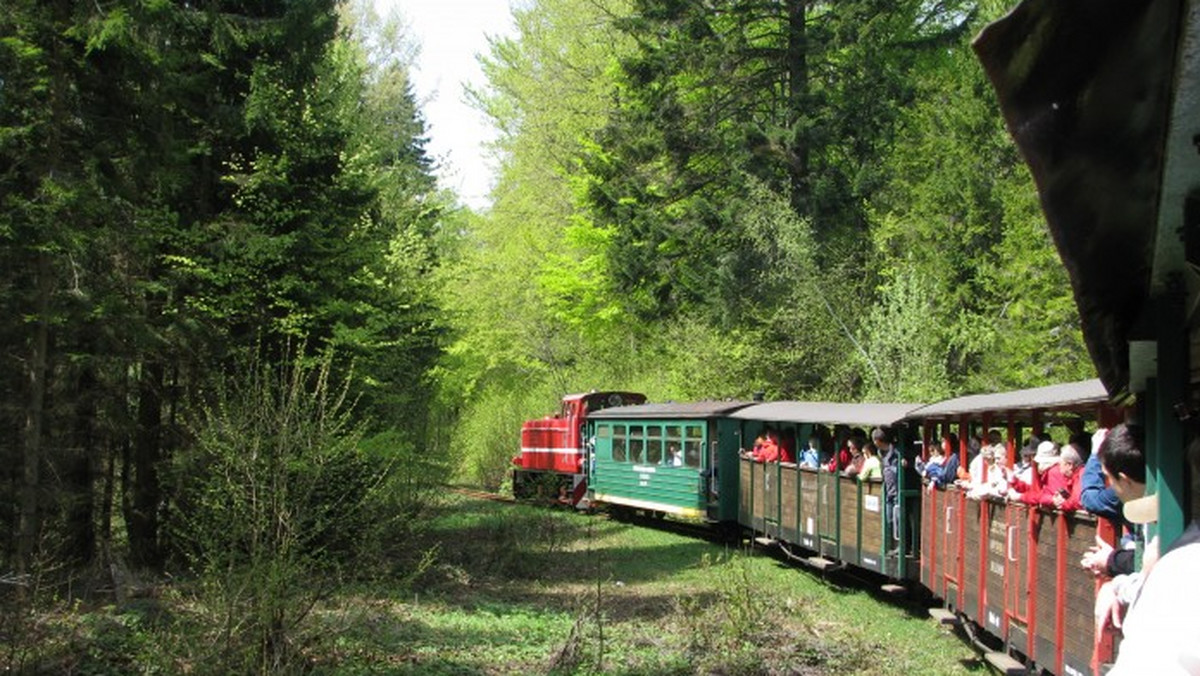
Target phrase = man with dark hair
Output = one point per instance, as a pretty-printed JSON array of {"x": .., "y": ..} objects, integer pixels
[
  {"x": 1162, "y": 628},
  {"x": 1123, "y": 463}
]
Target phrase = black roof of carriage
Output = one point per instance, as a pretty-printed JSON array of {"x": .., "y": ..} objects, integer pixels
[
  {"x": 669, "y": 410},
  {"x": 866, "y": 414},
  {"x": 1053, "y": 397},
  {"x": 1101, "y": 98}
]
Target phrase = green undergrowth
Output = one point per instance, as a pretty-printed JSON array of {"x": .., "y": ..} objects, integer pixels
[
  {"x": 515, "y": 589},
  {"x": 520, "y": 590}
]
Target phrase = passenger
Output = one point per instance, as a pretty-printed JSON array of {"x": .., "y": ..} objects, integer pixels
[
  {"x": 811, "y": 457},
  {"x": 870, "y": 469},
  {"x": 1024, "y": 485},
  {"x": 768, "y": 452},
  {"x": 840, "y": 460},
  {"x": 787, "y": 447},
  {"x": 974, "y": 447},
  {"x": 931, "y": 469},
  {"x": 1161, "y": 632},
  {"x": 857, "y": 458},
  {"x": 893, "y": 463},
  {"x": 1125, "y": 466},
  {"x": 993, "y": 481},
  {"x": 1062, "y": 485},
  {"x": 674, "y": 457},
  {"x": 950, "y": 465},
  {"x": 1096, "y": 496},
  {"x": 1023, "y": 469}
]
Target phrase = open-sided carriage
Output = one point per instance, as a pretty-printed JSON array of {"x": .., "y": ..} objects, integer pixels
[
  {"x": 837, "y": 519},
  {"x": 1011, "y": 568}
]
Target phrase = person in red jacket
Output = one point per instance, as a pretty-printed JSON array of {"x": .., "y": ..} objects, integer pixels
[
  {"x": 1062, "y": 484},
  {"x": 768, "y": 451},
  {"x": 841, "y": 460}
]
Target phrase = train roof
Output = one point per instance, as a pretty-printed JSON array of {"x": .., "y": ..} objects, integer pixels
[
  {"x": 834, "y": 413},
  {"x": 1053, "y": 397},
  {"x": 1101, "y": 99},
  {"x": 696, "y": 409}
]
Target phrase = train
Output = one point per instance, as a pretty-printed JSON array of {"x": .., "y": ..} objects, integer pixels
[
  {"x": 1101, "y": 99},
  {"x": 1003, "y": 569}
]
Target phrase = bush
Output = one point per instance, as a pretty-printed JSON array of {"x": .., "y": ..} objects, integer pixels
[{"x": 275, "y": 500}]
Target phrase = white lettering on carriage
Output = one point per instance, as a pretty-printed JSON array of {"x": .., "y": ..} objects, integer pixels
[
  {"x": 871, "y": 503},
  {"x": 644, "y": 469}
]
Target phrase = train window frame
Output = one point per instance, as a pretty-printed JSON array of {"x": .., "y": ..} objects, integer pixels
[
  {"x": 693, "y": 446},
  {"x": 654, "y": 444},
  {"x": 617, "y": 451},
  {"x": 637, "y": 439},
  {"x": 603, "y": 431},
  {"x": 673, "y": 438}
]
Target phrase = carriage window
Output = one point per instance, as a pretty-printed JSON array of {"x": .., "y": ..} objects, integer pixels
[
  {"x": 693, "y": 447},
  {"x": 674, "y": 454},
  {"x": 636, "y": 444},
  {"x": 618, "y": 443},
  {"x": 603, "y": 432},
  {"x": 654, "y": 444}
]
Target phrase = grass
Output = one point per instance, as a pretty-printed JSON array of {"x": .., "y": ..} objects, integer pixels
[
  {"x": 521, "y": 590},
  {"x": 516, "y": 589}
]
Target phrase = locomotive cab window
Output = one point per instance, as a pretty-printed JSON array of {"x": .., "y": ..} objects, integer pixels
[{"x": 618, "y": 443}]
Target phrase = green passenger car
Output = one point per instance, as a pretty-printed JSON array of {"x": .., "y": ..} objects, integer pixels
[{"x": 678, "y": 459}]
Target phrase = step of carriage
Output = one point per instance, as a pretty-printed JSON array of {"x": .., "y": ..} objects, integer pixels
[
  {"x": 765, "y": 541},
  {"x": 944, "y": 616},
  {"x": 1005, "y": 664},
  {"x": 894, "y": 589},
  {"x": 822, "y": 563}
]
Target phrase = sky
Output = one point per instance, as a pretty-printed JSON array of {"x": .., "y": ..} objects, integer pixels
[{"x": 450, "y": 34}]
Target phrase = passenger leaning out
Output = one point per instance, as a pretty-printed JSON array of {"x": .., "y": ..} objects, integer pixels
[
  {"x": 768, "y": 450},
  {"x": 871, "y": 467},
  {"x": 993, "y": 478},
  {"x": 1020, "y": 484},
  {"x": 1062, "y": 485}
]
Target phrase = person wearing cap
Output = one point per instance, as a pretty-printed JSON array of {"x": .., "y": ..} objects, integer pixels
[
  {"x": 1161, "y": 631},
  {"x": 1021, "y": 486}
]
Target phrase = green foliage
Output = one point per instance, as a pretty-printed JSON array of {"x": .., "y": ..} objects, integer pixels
[{"x": 274, "y": 502}]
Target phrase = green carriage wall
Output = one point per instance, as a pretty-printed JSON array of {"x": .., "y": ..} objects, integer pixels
[{"x": 661, "y": 486}]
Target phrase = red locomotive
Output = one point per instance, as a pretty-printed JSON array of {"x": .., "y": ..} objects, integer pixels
[{"x": 553, "y": 449}]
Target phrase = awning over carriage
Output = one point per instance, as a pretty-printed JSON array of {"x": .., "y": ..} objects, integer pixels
[{"x": 1086, "y": 88}]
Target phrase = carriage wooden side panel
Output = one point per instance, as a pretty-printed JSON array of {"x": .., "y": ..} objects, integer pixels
[
  {"x": 789, "y": 503},
  {"x": 827, "y": 506},
  {"x": 1078, "y": 595},
  {"x": 871, "y": 508},
  {"x": 1045, "y": 557},
  {"x": 848, "y": 532},
  {"x": 809, "y": 514}
]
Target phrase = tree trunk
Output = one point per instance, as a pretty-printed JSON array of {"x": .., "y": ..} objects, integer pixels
[
  {"x": 797, "y": 96},
  {"x": 146, "y": 491},
  {"x": 31, "y": 461}
]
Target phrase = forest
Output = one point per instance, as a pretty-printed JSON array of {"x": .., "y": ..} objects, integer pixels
[{"x": 247, "y": 337}]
